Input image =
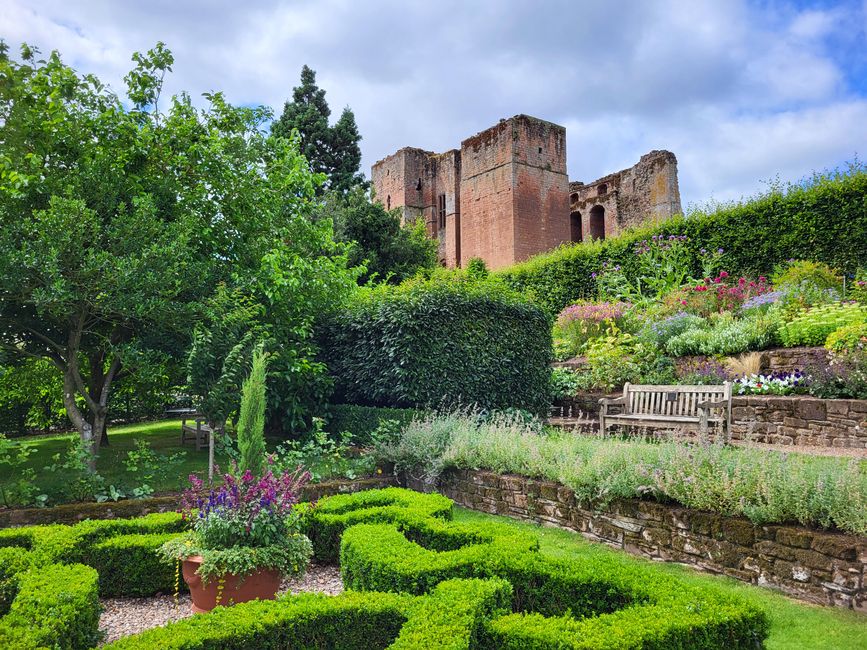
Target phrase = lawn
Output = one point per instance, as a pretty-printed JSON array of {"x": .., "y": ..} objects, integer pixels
[
  {"x": 793, "y": 624},
  {"x": 325, "y": 463},
  {"x": 164, "y": 437}
]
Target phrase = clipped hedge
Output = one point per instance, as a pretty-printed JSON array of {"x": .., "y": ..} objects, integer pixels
[
  {"x": 361, "y": 421},
  {"x": 447, "y": 619},
  {"x": 602, "y": 602},
  {"x": 461, "y": 586},
  {"x": 55, "y": 606},
  {"x": 823, "y": 220},
  {"x": 433, "y": 343},
  {"x": 332, "y": 515}
]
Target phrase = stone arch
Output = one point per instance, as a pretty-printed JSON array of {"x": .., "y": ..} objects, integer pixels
[
  {"x": 597, "y": 222},
  {"x": 602, "y": 189},
  {"x": 575, "y": 226}
]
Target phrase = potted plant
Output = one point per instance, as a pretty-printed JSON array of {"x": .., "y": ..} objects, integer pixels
[{"x": 244, "y": 533}]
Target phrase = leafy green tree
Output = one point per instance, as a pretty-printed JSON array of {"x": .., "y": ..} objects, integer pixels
[
  {"x": 391, "y": 252},
  {"x": 222, "y": 343},
  {"x": 118, "y": 222},
  {"x": 331, "y": 150},
  {"x": 251, "y": 420}
]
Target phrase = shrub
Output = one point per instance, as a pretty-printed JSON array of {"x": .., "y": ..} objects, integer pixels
[
  {"x": 758, "y": 484},
  {"x": 426, "y": 343},
  {"x": 848, "y": 338},
  {"x": 660, "y": 332},
  {"x": 584, "y": 602},
  {"x": 701, "y": 371},
  {"x": 796, "y": 273},
  {"x": 824, "y": 219},
  {"x": 580, "y": 323},
  {"x": 251, "y": 420},
  {"x": 362, "y": 421},
  {"x": 564, "y": 383},
  {"x": 814, "y": 325},
  {"x": 727, "y": 336},
  {"x": 56, "y": 606},
  {"x": 332, "y": 515}
]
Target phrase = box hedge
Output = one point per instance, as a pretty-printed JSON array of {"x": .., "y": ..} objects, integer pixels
[
  {"x": 448, "y": 619},
  {"x": 332, "y": 515},
  {"x": 56, "y": 606},
  {"x": 462, "y": 586},
  {"x": 361, "y": 421},
  {"x": 433, "y": 343},
  {"x": 824, "y": 220},
  {"x": 598, "y": 603}
]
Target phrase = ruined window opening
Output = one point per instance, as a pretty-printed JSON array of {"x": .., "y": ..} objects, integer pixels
[
  {"x": 574, "y": 197},
  {"x": 540, "y": 149},
  {"x": 418, "y": 185},
  {"x": 575, "y": 227},
  {"x": 597, "y": 222},
  {"x": 441, "y": 211},
  {"x": 388, "y": 202},
  {"x": 602, "y": 189}
]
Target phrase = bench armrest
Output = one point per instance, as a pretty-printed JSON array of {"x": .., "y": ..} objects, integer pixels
[
  {"x": 605, "y": 402},
  {"x": 713, "y": 405}
]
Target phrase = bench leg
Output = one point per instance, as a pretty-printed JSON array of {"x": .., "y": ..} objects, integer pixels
[
  {"x": 702, "y": 428},
  {"x": 602, "y": 424}
]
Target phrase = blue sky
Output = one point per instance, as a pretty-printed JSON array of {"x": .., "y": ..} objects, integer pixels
[{"x": 742, "y": 92}]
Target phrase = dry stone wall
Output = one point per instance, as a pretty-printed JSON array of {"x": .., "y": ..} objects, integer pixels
[{"x": 821, "y": 567}]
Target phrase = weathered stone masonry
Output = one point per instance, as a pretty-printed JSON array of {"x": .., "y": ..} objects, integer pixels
[
  {"x": 771, "y": 419},
  {"x": 504, "y": 195},
  {"x": 821, "y": 567}
]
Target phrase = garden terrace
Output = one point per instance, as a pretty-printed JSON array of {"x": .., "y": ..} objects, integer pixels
[{"x": 465, "y": 580}]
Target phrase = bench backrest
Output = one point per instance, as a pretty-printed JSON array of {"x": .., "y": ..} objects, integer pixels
[{"x": 672, "y": 400}]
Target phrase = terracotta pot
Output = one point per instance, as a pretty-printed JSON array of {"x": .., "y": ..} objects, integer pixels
[{"x": 262, "y": 585}]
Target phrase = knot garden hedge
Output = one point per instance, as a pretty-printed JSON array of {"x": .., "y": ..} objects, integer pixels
[{"x": 416, "y": 580}]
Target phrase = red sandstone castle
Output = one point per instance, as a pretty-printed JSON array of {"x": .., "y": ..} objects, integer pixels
[{"x": 504, "y": 196}]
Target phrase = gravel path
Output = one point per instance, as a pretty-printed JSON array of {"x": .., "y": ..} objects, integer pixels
[{"x": 124, "y": 616}]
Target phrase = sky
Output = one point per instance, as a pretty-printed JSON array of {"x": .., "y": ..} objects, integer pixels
[{"x": 744, "y": 93}]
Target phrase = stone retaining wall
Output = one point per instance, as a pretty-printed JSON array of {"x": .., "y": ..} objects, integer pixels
[
  {"x": 72, "y": 513},
  {"x": 821, "y": 567},
  {"x": 770, "y": 419},
  {"x": 799, "y": 420}
]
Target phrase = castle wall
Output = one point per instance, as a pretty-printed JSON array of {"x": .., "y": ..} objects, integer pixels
[
  {"x": 508, "y": 197},
  {"x": 487, "y": 197},
  {"x": 541, "y": 210},
  {"x": 647, "y": 191}
]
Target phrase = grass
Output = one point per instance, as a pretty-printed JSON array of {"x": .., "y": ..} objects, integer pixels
[
  {"x": 164, "y": 437},
  {"x": 794, "y": 624}
]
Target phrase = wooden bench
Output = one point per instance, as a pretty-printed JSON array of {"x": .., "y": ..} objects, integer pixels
[
  {"x": 200, "y": 431},
  {"x": 682, "y": 407}
]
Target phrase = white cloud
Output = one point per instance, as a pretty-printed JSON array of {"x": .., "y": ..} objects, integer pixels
[{"x": 739, "y": 92}]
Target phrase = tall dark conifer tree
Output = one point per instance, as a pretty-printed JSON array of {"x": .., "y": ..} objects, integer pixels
[{"x": 332, "y": 150}]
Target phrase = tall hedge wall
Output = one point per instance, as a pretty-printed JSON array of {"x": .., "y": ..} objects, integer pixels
[
  {"x": 824, "y": 219},
  {"x": 440, "y": 343}
]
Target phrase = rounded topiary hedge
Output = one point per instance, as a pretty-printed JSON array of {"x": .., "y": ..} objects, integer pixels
[
  {"x": 461, "y": 586},
  {"x": 440, "y": 342}
]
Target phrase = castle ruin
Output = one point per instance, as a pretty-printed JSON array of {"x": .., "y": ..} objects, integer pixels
[{"x": 505, "y": 196}]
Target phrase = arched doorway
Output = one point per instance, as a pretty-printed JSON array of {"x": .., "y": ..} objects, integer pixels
[
  {"x": 575, "y": 226},
  {"x": 597, "y": 222}
]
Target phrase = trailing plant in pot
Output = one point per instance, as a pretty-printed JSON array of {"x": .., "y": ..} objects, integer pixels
[{"x": 245, "y": 534}]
